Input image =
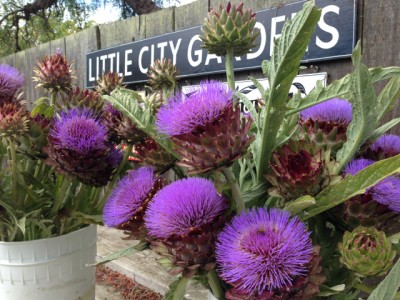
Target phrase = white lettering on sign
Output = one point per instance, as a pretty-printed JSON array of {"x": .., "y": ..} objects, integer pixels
[
  {"x": 174, "y": 50},
  {"x": 263, "y": 42},
  {"x": 141, "y": 68},
  {"x": 128, "y": 63},
  {"x": 197, "y": 53},
  {"x": 327, "y": 28},
  {"x": 274, "y": 34}
]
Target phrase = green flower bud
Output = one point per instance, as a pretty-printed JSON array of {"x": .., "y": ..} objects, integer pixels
[
  {"x": 366, "y": 251},
  {"x": 229, "y": 27}
]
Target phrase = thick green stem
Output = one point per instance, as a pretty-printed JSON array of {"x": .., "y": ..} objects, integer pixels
[
  {"x": 215, "y": 284},
  {"x": 236, "y": 194},
  {"x": 14, "y": 171},
  {"x": 61, "y": 194},
  {"x": 165, "y": 94},
  {"x": 53, "y": 98},
  {"x": 179, "y": 291},
  {"x": 363, "y": 288},
  {"x": 230, "y": 75}
]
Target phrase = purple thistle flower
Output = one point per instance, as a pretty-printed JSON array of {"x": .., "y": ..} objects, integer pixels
[
  {"x": 334, "y": 110},
  {"x": 10, "y": 81},
  {"x": 182, "y": 206},
  {"x": 80, "y": 130},
  {"x": 387, "y": 192},
  {"x": 128, "y": 196},
  {"x": 356, "y": 165},
  {"x": 185, "y": 114},
  {"x": 389, "y": 144},
  {"x": 263, "y": 250}
]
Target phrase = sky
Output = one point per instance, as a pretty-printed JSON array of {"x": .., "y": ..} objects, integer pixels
[{"x": 107, "y": 14}]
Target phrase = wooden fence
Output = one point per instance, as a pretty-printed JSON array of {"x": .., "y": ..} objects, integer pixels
[{"x": 378, "y": 24}]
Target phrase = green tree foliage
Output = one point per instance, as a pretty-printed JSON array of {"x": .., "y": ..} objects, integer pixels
[{"x": 28, "y": 23}]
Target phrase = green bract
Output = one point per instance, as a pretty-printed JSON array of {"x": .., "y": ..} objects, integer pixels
[
  {"x": 366, "y": 251},
  {"x": 229, "y": 28}
]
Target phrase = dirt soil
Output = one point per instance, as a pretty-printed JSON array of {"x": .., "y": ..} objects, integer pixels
[{"x": 127, "y": 288}]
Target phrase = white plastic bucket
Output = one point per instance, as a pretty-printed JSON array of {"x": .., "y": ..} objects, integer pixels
[{"x": 49, "y": 269}]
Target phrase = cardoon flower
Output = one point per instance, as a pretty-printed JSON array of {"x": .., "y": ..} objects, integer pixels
[
  {"x": 84, "y": 99},
  {"x": 108, "y": 82},
  {"x": 207, "y": 128},
  {"x": 53, "y": 73},
  {"x": 326, "y": 123},
  {"x": 229, "y": 27},
  {"x": 78, "y": 146},
  {"x": 299, "y": 168},
  {"x": 10, "y": 81},
  {"x": 13, "y": 120},
  {"x": 120, "y": 127},
  {"x": 388, "y": 145},
  {"x": 266, "y": 253},
  {"x": 185, "y": 217},
  {"x": 128, "y": 201},
  {"x": 162, "y": 74},
  {"x": 378, "y": 206},
  {"x": 366, "y": 251},
  {"x": 149, "y": 152}
]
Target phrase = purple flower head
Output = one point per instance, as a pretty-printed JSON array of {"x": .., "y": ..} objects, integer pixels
[
  {"x": 185, "y": 114},
  {"x": 387, "y": 192},
  {"x": 334, "y": 110},
  {"x": 128, "y": 196},
  {"x": 10, "y": 81},
  {"x": 182, "y": 206},
  {"x": 80, "y": 130},
  {"x": 263, "y": 250},
  {"x": 356, "y": 165},
  {"x": 388, "y": 144}
]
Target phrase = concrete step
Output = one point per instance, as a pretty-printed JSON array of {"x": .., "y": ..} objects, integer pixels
[{"x": 141, "y": 267}]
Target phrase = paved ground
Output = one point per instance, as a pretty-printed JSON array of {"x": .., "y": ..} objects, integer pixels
[{"x": 141, "y": 267}]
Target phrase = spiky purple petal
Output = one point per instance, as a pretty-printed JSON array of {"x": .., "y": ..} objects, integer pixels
[
  {"x": 387, "y": 143},
  {"x": 128, "y": 196},
  {"x": 10, "y": 81},
  {"x": 263, "y": 250},
  {"x": 334, "y": 110},
  {"x": 356, "y": 165},
  {"x": 387, "y": 192},
  {"x": 182, "y": 206},
  {"x": 80, "y": 131},
  {"x": 185, "y": 114}
]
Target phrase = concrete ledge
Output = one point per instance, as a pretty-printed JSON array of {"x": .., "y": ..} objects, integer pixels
[{"x": 141, "y": 267}]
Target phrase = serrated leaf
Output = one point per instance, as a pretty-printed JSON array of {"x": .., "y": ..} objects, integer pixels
[
  {"x": 122, "y": 253},
  {"x": 382, "y": 129},
  {"x": 338, "y": 89},
  {"x": 288, "y": 51},
  {"x": 388, "y": 97},
  {"x": 353, "y": 185},
  {"x": 252, "y": 196},
  {"x": 378, "y": 74},
  {"x": 299, "y": 204},
  {"x": 365, "y": 113},
  {"x": 388, "y": 288},
  {"x": 127, "y": 101},
  {"x": 43, "y": 109}
]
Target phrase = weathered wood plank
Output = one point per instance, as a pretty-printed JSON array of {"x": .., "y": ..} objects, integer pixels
[
  {"x": 159, "y": 22},
  {"x": 57, "y": 44},
  {"x": 191, "y": 15},
  {"x": 120, "y": 32},
  {"x": 9, "y": 60},
  {"x": 77, "y": 46}
]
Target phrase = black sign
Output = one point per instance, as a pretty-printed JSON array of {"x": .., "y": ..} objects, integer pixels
[{"x": 334, "y": 38}]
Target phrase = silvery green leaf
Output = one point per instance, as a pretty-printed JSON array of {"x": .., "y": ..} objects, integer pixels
[
  {"x": 388, "y": 288},
  {"x": 298, "y": 205},
  {"x": 382, "y": 129},
  {"x": 388, "y": 97},
  {"x": 365, "y": 115},
  {"x": 353, "y": 185},
  {"x": 288, "y": 51}
]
